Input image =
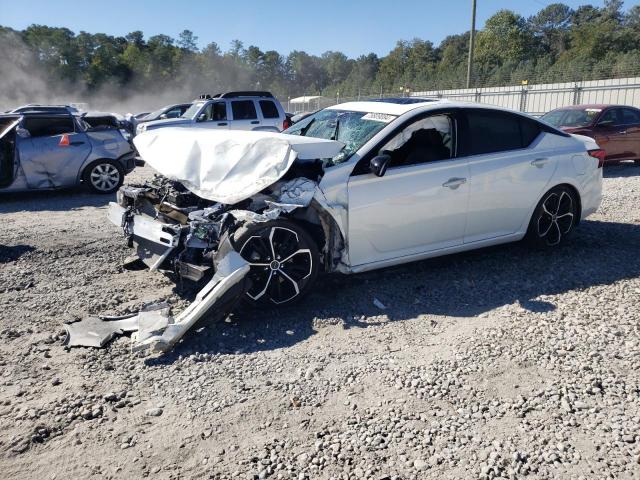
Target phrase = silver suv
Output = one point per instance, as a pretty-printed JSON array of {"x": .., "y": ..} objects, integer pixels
[{"x": 229, "y": 111}]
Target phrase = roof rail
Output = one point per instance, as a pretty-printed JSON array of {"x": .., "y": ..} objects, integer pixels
[{"x": 248, "y": 93}]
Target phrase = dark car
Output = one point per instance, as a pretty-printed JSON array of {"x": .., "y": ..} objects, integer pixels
[
  {"x": 49, "y": 151},
  {"x": 616, "y": 128},
  {"x": 169, "y": 111}
]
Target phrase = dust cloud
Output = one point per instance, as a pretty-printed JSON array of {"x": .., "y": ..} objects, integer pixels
[{"x": 24, "y": 80}]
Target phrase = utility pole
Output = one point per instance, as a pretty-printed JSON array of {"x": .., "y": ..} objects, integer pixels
[{"x": 471, "y": 43}]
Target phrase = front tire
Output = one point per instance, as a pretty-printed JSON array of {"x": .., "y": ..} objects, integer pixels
[
  {"x": 284, "y": 261},
  {"x": 554, "y": 218},
  {"x": 103, "y": 176}
]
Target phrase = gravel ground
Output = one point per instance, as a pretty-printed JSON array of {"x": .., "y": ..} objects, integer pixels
[{"x": 501, "y": 363}]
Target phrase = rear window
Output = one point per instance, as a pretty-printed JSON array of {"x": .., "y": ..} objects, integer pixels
[
  {"x": 243, "y": 110},
  {"x": 269, "y": 109},
  {"x": 48, "y": 126},
  {"x": 491, "y": 131}
]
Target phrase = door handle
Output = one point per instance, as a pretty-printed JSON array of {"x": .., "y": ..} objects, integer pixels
[
  {"x": 222, "y": 124},
  {"x": 539, "y": 162},
  {"x": 75, "y": 144},
  {"x": 454, "y": 183},
  {"x": 255, "y": 122}
]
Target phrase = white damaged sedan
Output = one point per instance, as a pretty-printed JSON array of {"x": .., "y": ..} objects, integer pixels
[{"x": 354, "y": 187}]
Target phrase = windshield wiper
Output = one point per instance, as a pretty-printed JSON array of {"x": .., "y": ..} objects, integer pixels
[
  {"x": 336, "y": 131},
  {"x": 305, "y": 129}
]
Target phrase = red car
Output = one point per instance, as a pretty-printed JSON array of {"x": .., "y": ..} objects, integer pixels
[{"x": 616, "y": 128}]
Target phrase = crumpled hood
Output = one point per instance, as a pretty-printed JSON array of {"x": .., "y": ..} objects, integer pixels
[{"x": 227, "y": 166}]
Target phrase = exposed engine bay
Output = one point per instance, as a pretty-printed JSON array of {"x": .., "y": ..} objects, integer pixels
[{"x": 242, "y": 214}]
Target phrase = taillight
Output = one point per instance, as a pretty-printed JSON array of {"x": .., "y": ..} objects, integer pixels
[
  {"x": 286, "y": 124},
  {"x": 599, "y": 154}
]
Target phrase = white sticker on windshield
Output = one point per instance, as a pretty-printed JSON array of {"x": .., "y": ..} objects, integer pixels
[
  {"x": 379, "y": 117},
  {"x": 593, "y": 109}
]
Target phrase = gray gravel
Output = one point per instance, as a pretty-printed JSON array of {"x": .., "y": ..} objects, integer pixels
[{"x": 502, "y": 363}]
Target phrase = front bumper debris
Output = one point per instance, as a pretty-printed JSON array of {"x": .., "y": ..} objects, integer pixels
[{"x": 153, "y": 328}]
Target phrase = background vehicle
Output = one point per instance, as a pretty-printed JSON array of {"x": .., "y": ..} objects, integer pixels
[
  {"x": 615, "y": 128},
  {"x": 34, "y": 107},
  {"x": 229, "y": 111},
  {"x": 377, "y": 184},
  {"x": 109, "y": 120},
  {"x": 170, "y": 111},
  {"x": 49, "y": 151}
]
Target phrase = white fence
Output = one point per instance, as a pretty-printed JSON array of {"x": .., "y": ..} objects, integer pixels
[
  {"x": 539, "y": 99},
  {"x": 532, "y": 99}
]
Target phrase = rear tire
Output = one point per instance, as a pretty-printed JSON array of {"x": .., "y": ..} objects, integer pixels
[
  {"x": 554, "y": 218},
  {"x": 289, "y": 276},
  {"x": 103, "y": 176}
]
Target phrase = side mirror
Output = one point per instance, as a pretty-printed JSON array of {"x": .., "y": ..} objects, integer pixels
[
  {"x": 23, "y": 132},
  {"x": 163, "y": 116},
  {"x": 202, "y": 117},
  {"x": 379, "y": 164}
]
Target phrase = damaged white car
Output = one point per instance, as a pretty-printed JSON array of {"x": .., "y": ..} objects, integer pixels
[{"x": 354, "y": 187}]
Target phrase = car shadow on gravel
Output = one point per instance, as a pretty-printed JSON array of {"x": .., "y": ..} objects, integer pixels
[
  {"x": 621, "y": 170},
  {"x": 10, "y": 253},
  {"x": 461, "y": 285},
  {"x": 52, "y": 200}
]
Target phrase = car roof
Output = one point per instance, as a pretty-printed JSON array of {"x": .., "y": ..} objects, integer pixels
[{"x": 425, "y": 104}]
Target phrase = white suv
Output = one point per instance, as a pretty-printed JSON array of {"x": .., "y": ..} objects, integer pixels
[{"x": 229, "y": 111}]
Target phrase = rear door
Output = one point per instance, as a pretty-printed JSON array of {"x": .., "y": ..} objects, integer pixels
[
  {"x": 244, "y": 115},
  {"x": 508, "y": 173},
  {"x": 55, "y": 151}
]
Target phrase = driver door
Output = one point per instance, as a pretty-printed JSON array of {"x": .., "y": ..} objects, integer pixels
[
  {"x": 420, "y": 204},
  {"x": 213, "y": 115}
]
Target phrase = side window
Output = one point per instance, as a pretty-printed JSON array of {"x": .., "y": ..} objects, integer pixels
[
  {"x": 219, "y": 112},
  {"x": 609, "y": 118},
  {"x": 630, "y": 117},
  {"x": 174, "y": 112},
  {"x": 425, "y": 140},
  {"x": 492, "y": 131},
  {"x": 243, "y": 110},
  {"x": 48, "y": 126},
  {"x": 269, "y": 109}
]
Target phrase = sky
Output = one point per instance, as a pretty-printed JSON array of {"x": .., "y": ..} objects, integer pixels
[{"x": 354, "y": 27}]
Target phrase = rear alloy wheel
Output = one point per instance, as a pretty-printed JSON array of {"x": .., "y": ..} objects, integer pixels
[
  {"x": 554, "y": 218},
  {"x": 284, "y": 261},
  {"x": 103, "y": 176}
]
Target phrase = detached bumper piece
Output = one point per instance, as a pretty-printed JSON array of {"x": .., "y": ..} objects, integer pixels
[{"x": 153, "y": 329}]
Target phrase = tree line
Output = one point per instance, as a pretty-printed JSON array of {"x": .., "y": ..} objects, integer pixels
[{"x": 556, "y": 44}]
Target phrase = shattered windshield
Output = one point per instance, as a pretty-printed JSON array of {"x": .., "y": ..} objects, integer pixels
[
  {"x": 354, "y": 129},
  {"x": 571, "y": 117},
  {"x": 193, "y": 110}
]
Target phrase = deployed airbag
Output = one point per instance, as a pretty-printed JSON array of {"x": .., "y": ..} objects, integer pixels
[{"x": 227, "y": 166}]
